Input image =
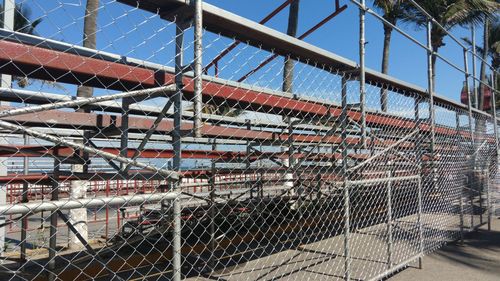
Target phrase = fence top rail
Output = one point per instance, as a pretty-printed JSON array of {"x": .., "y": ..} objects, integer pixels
[{"x": 222, "y": 22}]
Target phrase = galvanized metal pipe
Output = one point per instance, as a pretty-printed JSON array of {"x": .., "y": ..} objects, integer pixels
[
  {"x": 460, "y": 202},
  {"x": 198, "y": 66},
  {"x": 389, "y": 221},
  {"x": 25, "y": 199},
  {"x": 488, "y": 198},
  {"x": 8, "y": 12},
  {"x": 494, "y": 110},
  {"x": 98, "y": 202},
  {"x": 176, "y": 209},
  {"x": 362, "y": 74},
  {"x": 345, "y": 172},
  {"x": 347, "y": 233},
  {"x": 212, "y": 212},
  {"x": 431, "y": 81},
  {"x": 167, "y": 90},
  {"x": 420, "y": 223},
  {"x": 397, "y": 268},
  {"x": 51, "y": 266}
]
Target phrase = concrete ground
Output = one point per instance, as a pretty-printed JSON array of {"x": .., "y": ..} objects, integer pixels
[{"x": 477, "y": 259}]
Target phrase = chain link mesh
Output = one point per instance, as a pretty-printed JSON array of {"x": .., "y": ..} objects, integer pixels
[{"x": 279, "y": 185}]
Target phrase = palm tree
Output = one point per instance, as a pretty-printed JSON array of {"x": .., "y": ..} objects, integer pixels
[
  {"x": 492, "y": 49},
  {"x": 493, "y": 43},
  {"x": 22, "y": 20},
  {"x": 24, "y": 24},
  {"x": 293, "y": 20},
  {"x": 450, "y": 13},
  {"x": 393, "y": 11},
  {"x": 89, "y": 38}
]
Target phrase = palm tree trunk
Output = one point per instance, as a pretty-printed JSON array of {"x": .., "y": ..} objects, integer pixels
[
  {"x": 78, "y": 190},
  {"x": 293, "y": 20},
  {"x": 385, "y": 64},
  {"x": 434, "y": 59},
  {"x": 483, "y": 64},
  {"x": 89, "y": 38}
]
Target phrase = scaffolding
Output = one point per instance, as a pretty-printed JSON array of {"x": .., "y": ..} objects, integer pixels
[{"x": 168, "y": 172}]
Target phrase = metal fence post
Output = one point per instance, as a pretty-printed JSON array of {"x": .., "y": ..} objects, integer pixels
[
  {"x": 8, "y": 12},
  {"x": 495, "y": 125},
  {"x": 347, "y": 230},
  {"x": 53, "y": 223},
  {"x": 389, "y": 220},
  {"x": 198, "y": 68},
  {"x": 362, "y": 90},
  {"x": 493, "y": 109},
  {"x": 248, "y": 184},
  {"x": 212, "y": 210},
  {"x": 179, "y": 69},
  {"x": 488, "y": 197},
  {"x": 460, "y": 202},
  {"x": 461, "y": 215},
  {"x": 347, "y": 262},
  {"x": 25, "y": 199},
  {"x": 420, "y": 223},
  {"x": 430, "y": 81}
]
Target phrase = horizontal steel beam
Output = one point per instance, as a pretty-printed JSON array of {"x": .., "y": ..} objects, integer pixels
[{"x": 19, "y": 59}]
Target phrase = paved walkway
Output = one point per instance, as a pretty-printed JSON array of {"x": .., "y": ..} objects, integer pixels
[{"x": 477, "y": 259}]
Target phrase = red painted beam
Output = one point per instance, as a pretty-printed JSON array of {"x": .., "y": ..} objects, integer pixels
[
  {"x": 36, "y": 62},
  {"x": 44, "y": 151}
]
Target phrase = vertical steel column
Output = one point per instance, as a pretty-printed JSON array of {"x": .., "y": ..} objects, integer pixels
[
  {"x": 488, "y": 197},
  {"x": 124, "y": 128},
  {"x": 347, "y": 226},
  {"x": 179, "y": 69},
  {"x": 389, "y": 220},
  {"x": 53, "y": 223},
  {"x": 212, "y": 210},
  {"x": 362, "y": 90},
  {"x": 198, "y": 66},
  {"x": 495, "y": 123},
  {"x": 247, "y": 161},
  {"x": 430, "y": 81},
  {"x": 25, "y": 199},
  {"x": 471, "y": 199},
  {"x": 420, "y": 223},
  {"x": 6, "y": 82},
  {"x": 493, "y": 108},
  {"x": 460, "y": 201},
  {"x": 471, "y": 131}
]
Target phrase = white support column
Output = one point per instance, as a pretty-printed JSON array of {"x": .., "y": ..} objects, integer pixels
[
  {"x": 6, "y": 82},
  {"x": 78, "y": 217}
]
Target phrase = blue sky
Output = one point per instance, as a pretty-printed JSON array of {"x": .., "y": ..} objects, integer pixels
[{"x": 133, "y": 33}]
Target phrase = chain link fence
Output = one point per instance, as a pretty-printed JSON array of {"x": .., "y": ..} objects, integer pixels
[{"x": 178, "y": 168}]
